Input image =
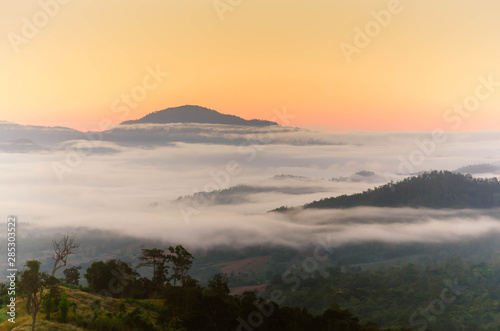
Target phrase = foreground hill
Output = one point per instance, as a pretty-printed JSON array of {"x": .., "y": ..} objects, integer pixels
[
  {"x": 437, "y": 189},
  {"x": 195, "y": 114},
  {"x": 185, "y": 308},
  {"x": 90, "y": 312}
]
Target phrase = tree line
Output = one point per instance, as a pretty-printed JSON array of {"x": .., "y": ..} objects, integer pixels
[
  {"x": 179, "y": 301},
  {"x": 436, "y": 189}
]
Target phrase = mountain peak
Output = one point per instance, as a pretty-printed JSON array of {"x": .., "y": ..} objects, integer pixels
[{"x": 195, "y": 114}]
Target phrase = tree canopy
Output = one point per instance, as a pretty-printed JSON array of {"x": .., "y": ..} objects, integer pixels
[{"x": 436, "y": 189}]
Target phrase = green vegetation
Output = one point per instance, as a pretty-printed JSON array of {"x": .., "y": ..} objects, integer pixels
[
  {"x": 72, "y": 275},
  {"x": 31, "y": 287},
  {"x": 436, "y": 189},
  {"x": 453, "y": 296},
  {"x": 121, "y": 300},
  {"x": 392, "y": 295}
]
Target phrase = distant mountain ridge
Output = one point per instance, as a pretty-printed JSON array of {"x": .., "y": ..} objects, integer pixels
[
  {"x": 478, "y": 169},
  {"x": 195, "y": 114},
  {"x": 436, "y": 189}
]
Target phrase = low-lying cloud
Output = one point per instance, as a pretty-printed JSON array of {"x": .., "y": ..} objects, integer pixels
[{"x": 129, "y": 184}]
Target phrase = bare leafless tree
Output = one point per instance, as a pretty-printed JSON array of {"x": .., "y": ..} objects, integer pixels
[{"x": 62, "y": 248}]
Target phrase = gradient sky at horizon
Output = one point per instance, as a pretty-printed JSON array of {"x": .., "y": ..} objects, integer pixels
[{"x": 263, "y": 55}]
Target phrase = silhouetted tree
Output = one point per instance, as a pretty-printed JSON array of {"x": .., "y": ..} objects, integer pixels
[
  {"x": 217, "y": 285},
  {"x": 111, "y": 278},
  {"x": 157, "y": 259},
  {"x": 182, "y": 261},
  {"x": 62, "y": 249},
  {"x": 52, "y": 298},
  {"x": 72, "y": 275},
  {"x": 31, "y": 286}
]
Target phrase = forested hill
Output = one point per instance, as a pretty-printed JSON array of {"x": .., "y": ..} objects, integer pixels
[{"x": 436, "y": 189}]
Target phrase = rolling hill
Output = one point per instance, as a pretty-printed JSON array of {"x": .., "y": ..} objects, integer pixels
[
  {"x": 195, "y": 114},
  {"x": 436, "y": 189}
]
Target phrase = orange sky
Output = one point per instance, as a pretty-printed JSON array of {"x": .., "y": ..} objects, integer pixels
[{"x": 422, "y": 58}]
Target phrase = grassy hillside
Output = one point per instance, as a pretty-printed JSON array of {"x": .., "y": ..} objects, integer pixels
[
  {"x": 187, "y": 308},
  {"x": 88, "y": 311}
]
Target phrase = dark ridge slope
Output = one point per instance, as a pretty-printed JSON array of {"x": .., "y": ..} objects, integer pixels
[
  {"x": 195, "y": 114},
  {"x": 436, "y": 189}
]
